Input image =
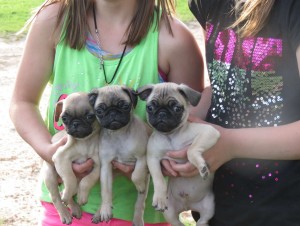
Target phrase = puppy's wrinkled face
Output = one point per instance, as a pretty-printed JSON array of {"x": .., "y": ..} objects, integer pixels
[
  {"x": 166, "y": 110},
  {"x": 78, "y": 115},
  {"x": 113, "y": 106},
  {"x": 168, "y": 105}
]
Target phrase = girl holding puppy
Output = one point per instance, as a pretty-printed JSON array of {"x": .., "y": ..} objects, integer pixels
[
  {"x": 253, "y": 60},
  {"x": 78, "y": 45}
]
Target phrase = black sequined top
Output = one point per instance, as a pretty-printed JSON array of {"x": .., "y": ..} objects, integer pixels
[{"x": 255, "y": 83}]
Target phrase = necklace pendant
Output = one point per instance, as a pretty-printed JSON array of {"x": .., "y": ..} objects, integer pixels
[{"x": 101, "y": 64}]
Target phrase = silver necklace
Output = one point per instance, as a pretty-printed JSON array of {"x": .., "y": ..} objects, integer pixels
[{"x": 101, "y": 56}]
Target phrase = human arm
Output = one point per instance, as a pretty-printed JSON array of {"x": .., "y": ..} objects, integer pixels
[
  {"x": 277, "y": 143},
  {"x": 32, "y": 77},
  {"x": 33, "y": 74}
]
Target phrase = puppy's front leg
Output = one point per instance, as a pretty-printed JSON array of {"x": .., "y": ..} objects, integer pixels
[
  {"x": 50, "y": 179},
  {"x": 160, "y": 185},
  {"x": 206, "y": 138},
  {"x": 140, "y": 177},
  {"x": 106, "y": 179}
]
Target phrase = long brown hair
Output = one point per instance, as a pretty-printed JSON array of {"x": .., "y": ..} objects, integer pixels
[
  {"x": 73, "y": 14},
  {"x": 252, "y": 15}
]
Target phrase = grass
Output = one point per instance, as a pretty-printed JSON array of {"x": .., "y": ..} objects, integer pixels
[
  {"x": 183, "y": 10},
  {"x": 14, "y": 13}
]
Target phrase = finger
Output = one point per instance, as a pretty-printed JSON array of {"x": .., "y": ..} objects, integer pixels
[
  {"x": 190, "y": 173},
  {"x": 181, "y": 154},
  {"x": 182, "y": 168},
  {"x": 193, "y": 118},
  {"x": 62, "y": 141},
  {"x": 167, "y": 168},
  {"x": 83, "y": 167},
  {"x": 122, "y": 167}
]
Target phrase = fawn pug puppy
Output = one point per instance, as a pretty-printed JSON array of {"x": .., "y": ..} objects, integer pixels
[
  {"x": 82, "y": 131},
  {"x": 167, "y": 113},
  {"x": 123, "y": 138}
]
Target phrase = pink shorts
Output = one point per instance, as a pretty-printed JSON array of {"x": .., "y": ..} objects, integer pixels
[{"x": 50, "y": 217}]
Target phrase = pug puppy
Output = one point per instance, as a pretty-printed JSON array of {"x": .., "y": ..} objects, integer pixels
[
  {"x": 82, "y": 131},
  {"x": 123, "y": 138},
  {"x": 167, "y": 113}
]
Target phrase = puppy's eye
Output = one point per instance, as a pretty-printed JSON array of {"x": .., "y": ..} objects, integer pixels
[
  {"x": 90, "y": 117},
  {"x": 178, "y": 109},
  {"x": 123, "y": 104},
  {"x": 152, "y": 106},
  {"x": 99, "y": 111},
  {"x": 149, "y": 108},
  {"x": 175, "y": 106},
  {"x": 64, "y": 118}
]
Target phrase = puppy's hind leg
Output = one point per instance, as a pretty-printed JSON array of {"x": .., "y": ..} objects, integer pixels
[
  {"x": 138, "y": 218},
  {"x": 50, "y": 179},
  {"x": 206, "y": 209},
  {"x": 172, "y": 213},
  {"x": 139, "y": 175},
  {"x": 75, "y": 209},
  {"x": 64, "y": 169},
  {"x": 87, "y": 183},
  {"x": 106, "y": 179}
]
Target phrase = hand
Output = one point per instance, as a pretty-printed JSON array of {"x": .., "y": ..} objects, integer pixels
[
  {"x": 126, "y": 170},
  {"x": 221, "y": 152},
  {"x": 82, "y": 169},
  {"x": 53, "y": 148},
  {"x": 172, "y": 168},
  {"x": 193, "y": 118}
]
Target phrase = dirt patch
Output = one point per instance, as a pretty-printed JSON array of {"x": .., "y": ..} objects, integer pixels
[{"x": 19, "y": 164}]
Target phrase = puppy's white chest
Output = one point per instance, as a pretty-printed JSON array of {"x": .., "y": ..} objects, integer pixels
[{"x": 119, "y": 147}]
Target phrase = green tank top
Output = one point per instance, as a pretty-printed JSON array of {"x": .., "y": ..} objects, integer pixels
[{"x": 78, "y": 70}]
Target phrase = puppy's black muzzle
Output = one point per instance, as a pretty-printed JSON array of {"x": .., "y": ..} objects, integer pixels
[
  {"x": 114, "y": 118},
  {"x": 78, "y": 128},
  {"x": 164, "y": 120}
]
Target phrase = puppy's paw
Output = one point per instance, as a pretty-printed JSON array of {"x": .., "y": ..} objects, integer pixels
[
  {"x": 82, "y": 198},
  {"x": 138, "y": 222},
  {"x": 104, "y": 214},
  {"x": 160, "y": 202},
  {"x": 204, "y": 172},
  {"x": 140, "y": 184},
  {"x": 65, "y": 216},
  {"x": 76, "y": 211},
  {"x": 67, "y": 195}
]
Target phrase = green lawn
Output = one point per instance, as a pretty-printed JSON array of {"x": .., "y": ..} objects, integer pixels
[
  {"x": 183, "y": 11},
  {"x": 14, "y": 13}
]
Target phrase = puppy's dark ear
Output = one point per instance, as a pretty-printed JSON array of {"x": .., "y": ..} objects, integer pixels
[
  {"x": 93, "y": 97},
  {"x": 190, "y": 94},
  {"x": 58, "y": 110},
  {"x": 132, "y": 95},
  {"x": 145, "y": 91}
]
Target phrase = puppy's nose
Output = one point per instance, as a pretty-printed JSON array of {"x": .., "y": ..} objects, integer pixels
[
  {"x": 75, "y": 124},
  {"x": 112, "y": 114},
  {"x": 162, "y": 114}
]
